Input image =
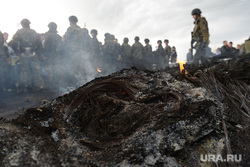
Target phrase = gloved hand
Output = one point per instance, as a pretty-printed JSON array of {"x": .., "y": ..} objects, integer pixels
[{"x": 204, "y": 45}]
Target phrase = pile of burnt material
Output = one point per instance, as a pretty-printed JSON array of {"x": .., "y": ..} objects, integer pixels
[{"x": 143, "y": 118}]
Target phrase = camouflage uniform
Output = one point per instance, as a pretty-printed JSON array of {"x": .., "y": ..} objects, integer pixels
[
  {"x": 159, "y": 56},
  {"x": 109, "y": 49},
  {"x": 28, "y": 45},
  {"x": 137, "y": 52},
  {"x": 86, "y": 42},
  {"x": 245, "y": 48},
  {"x": 126, "y": 54},
  {"x": 201, "y": 36},
  {"x": 95, "y": 48},
  {"x": 73, "y": 39},
  {"x": 73, "y": 52},
  {"x": 52, "y": 52},
  {"x": 167, "y": 53}
]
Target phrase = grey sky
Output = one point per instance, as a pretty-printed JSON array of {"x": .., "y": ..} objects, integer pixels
[{"x": 153, "y": 19}]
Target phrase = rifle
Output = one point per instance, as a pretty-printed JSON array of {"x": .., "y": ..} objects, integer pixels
[{"x": 192, "y": 41}]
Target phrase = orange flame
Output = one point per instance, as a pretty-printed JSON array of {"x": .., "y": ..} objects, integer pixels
[
  {"x": 99, "y": 69},
  {"x": 181, "y": 63}
]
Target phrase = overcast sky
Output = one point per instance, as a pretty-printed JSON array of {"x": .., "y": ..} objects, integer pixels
[{"x": 153, "y": 19}]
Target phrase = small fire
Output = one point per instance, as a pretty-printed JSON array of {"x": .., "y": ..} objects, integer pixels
[
  {"x": 181, "y": 63},
  {"x": 99, "y": 70}
]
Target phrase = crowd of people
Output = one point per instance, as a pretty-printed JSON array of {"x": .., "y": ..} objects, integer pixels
[
  {"x": 226, "y": 50},
  {"x": 32, "y": 61}
]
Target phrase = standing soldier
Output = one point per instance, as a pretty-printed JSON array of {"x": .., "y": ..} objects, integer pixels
[
  {"x": 137, "y": 51},
  {"x": 86, "y": 41},
  {"x": 200, "y": 35},
  {"x": 73, "y": 48},
  {"x": 52, "y": 52},
  {"x": 126, "y": 53},
  {"x": 26, "y": 42},
  {"x": 159, "y": 54},
  {"x": 95, "y": 47},
  {"x": 167, "y": 51},
  {"x": 148, "y": 54}
]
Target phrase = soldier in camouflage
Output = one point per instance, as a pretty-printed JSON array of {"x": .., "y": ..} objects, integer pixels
[
  {"x": 73, "y": 51},
  {"x": 137, "y": 52},
  {"x": 126, "y": 52},
  {"x": 148, "y": 55},
  {"x": 26, "y": 43},
  {"x": 200, "y": 35},
  {"x": 52, "y": 53},
  {"x": 167, "y": 51}
]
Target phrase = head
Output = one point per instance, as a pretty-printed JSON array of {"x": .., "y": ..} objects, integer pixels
[
  {"x": 52, "y": 26},
  {"x": 73, "y": 20},
  {"x": 196, "y": 13},
  {"x": 218, "y": 50},
  {"x": 166, "y": 41},
  {"x": 125, "y": 40},
  {"x": 94, "y": 32},
  {"x": 137, "y": 39},
  {"x": 238, "y": 46},
  {"x": 146, "y": 41},
  {"x": 112, "y": 37},
  {"x": 230, "y": 44},
  {"x": 5, "y": 36},
  {"x": 85, "y": 31},
  {"x": 25, "y": 23},
  {"x": 159, "y": 42},
  {"x": 225, "y": 43},
  {"x": 42, "y": 36},
  {"x": 173, "y": 48}
]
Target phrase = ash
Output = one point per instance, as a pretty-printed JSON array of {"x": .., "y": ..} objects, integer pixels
[{"x": 138, "y": 118}]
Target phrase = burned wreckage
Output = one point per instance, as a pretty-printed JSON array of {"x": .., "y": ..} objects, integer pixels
[{"x": 139, "y": 118}]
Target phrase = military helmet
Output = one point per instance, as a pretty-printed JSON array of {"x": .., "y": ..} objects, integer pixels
[
  {"x": 25, "y": 22},
  {"x": 166, "y": 40},
  {"x": 73, "y": 19},
  {"x": 125, "y": 40},
  {"x": 112, "y": 37},
  {"x": 159, "y": 41},
  {"x": 107, "y": 35},
  {"x": 85, "y": 30},
  {"x": 94, "y": 31},
  {"x": 52, "y": 26},
  {"x": 137, "y": 38},
  {"x": 196, "y": 11},
  {"x": 146, "y": 40}
]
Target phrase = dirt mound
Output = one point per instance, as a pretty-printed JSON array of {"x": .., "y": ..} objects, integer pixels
[{"x": 136, "y": 117}]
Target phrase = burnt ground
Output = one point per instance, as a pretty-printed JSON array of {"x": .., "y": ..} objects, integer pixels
[
  {"x": 12, "y": 103},
  {"x": 139, "y": 118}
]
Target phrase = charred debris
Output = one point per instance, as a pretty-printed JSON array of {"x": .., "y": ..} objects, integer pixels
[{"x": 136, "y": 117}]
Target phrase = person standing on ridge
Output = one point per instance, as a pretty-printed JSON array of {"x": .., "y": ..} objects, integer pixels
[{"x": 200, "y": 35}]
